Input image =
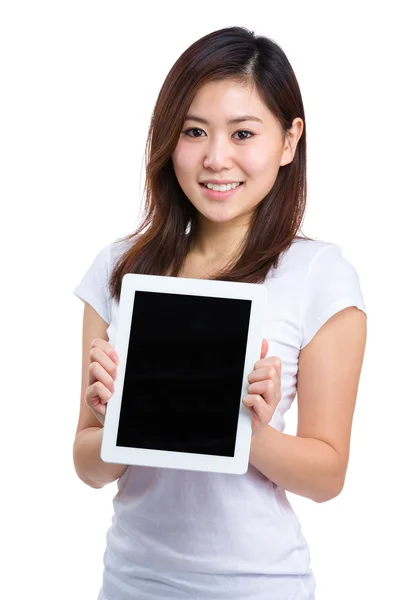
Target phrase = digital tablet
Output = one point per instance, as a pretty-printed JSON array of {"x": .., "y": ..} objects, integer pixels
[{"x": 186, "y": 348}]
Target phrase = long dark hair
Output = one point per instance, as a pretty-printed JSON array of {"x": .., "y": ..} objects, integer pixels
[{"x": 161, "y": 242}]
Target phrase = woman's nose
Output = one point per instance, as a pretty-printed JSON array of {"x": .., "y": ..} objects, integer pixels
[{"x": 218, "y": 156}]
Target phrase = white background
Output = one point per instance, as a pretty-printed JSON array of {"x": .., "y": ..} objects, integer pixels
[{"x": 79, "y": 80}]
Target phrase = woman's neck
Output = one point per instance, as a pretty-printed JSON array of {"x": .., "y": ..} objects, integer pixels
[{"x": 218, "y": 242}]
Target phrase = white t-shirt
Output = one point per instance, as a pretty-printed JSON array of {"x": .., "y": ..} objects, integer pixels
[{"x": 179, "y": 534}]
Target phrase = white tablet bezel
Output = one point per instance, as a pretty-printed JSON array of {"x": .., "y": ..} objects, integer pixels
[{"x": 238, "y": 464}]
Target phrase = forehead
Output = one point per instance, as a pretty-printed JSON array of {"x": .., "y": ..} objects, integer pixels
[{"x": 228, "y": 99}]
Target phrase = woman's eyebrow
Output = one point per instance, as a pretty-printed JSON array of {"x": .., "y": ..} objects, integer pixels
[{"x": 191, "y": 117}]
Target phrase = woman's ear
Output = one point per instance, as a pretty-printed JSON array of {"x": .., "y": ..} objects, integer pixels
[{"x": 291, "y": 140}]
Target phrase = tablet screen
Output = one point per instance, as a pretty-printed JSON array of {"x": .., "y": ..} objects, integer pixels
[{"x": 184, "y": 373}]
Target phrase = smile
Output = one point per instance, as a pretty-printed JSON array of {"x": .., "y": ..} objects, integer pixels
[{"x": 218, "y": 194}]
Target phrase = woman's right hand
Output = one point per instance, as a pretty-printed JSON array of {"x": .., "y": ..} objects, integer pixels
[{"x": 102, "y": 373}]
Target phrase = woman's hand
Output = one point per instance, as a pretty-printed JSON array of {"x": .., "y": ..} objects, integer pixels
[
  {"x": 102, "y": 374},
  {"x": 264, "y": 390}
]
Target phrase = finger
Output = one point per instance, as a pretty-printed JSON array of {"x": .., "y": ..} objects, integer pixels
[
  {"x": 97, "y": 355},
  {"x": 262, "y": 411},
  {"x": 97, "y": 396},
  {"x": 98, "y": 373},
  {"x": 271, "y": 361},
  {"x": 264, "y": 348},
  {"x": 257, "y": 404},
  {"x": 267, "y": 372},
  {"x": 107, "y": 348},
  {"x": 265, "y": 388}
]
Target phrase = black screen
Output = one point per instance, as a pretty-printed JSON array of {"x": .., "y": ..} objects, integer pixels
[{"x": 184, "y": 373}]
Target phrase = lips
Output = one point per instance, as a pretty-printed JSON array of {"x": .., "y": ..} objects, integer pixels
[
  {"x": 217, "y": 195},
  {"x": 221, "y": 182},
  {"x": 205, "y": 184}
]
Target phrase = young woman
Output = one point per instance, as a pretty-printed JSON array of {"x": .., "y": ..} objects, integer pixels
[{"x": 229, "y": 113}]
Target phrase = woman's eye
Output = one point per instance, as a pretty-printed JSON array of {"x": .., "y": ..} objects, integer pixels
[
  {"x": 186, "y": 132},
  {"x": 245, "y": 131},
  {"x": 192, "y": 129}
]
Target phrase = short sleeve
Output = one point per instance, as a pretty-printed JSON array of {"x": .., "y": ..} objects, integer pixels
[
  {"x": 332, "y": 284},
  {"x": 93, "y": 287}
]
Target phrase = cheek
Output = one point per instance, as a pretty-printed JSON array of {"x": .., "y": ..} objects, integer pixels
[
  {"x": 182, "y": 159},
  {"x": 261, "y": 162},
  {"x": 263, "y": 170}
]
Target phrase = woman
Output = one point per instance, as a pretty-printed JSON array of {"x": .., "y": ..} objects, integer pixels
[{"x": 230, "y": 111}]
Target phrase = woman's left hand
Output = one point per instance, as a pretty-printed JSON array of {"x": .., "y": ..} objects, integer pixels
[{"x": 264, "y": 390}]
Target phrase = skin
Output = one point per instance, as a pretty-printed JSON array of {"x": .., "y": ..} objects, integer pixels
[
  {"x": 312, "y": 463},
  {"x": 223, "y": 151},
  {"x": 219, "y": 150}
]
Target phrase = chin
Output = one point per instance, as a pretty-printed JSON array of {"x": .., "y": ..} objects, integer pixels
[{"x": 220, "y": 216}]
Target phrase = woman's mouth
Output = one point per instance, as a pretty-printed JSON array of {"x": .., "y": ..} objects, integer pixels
[{"x": 218, "y": 195}]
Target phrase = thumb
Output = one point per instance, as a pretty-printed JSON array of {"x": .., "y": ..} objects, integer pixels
[{"x": 264, "y": 348}]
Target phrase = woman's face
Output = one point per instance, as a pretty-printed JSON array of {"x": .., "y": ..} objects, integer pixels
[{"x": 248, "y": 151}]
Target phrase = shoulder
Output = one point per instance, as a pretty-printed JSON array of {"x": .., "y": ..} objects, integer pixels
[
  {"x": 119, "y": 246},
  {"x": 106, "y": 257},
  {"x": 297, "y": 260},
  {"x": 322, "y": 263},
  {"x": 304, "y": 251}
]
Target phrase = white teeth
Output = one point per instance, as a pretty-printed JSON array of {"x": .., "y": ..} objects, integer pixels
[{"x": 222, "y": 188}]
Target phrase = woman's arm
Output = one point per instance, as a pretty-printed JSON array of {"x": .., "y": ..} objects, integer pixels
[
  {"x": 89, "y": 466},
  {"x": 314, "y": 462}
]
